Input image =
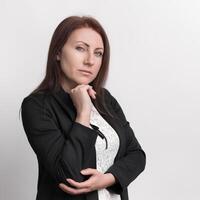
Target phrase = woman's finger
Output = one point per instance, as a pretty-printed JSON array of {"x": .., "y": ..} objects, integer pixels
[
  {"x": 91, "y": 92},
  {"x": 79, "y": 185},
  {"x": 89, "y": 171},
  {"x": 73, "y": 191}
]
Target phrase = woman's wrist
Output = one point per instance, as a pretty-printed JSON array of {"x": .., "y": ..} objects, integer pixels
[
  {"x": 84, "y": 120},
  {"x": 111, "y": 179}
]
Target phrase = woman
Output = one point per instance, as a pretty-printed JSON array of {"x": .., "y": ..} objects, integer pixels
[{"x": 85, "y": 147}]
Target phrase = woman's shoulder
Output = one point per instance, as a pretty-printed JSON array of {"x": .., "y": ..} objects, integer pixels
[
  {"x": 106, "y": 92},
  {"x": 109, "y": 98},
  {"x": 114, "y": 103},
  {"x": 36, "y": 97}
]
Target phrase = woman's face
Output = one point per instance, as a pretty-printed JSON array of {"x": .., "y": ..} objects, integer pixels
[{"x": 82, "y": 52}]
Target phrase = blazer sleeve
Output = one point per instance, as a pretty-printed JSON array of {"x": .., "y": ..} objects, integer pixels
[
  {"x": 62, "y": 158},
  {"x": 128, "y": 167}
]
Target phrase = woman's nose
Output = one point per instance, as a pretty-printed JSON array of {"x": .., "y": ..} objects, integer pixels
[{"x": 89, "y": 59}]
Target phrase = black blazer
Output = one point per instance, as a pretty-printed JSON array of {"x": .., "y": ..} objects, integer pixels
[{"x": 64, "y": 147}]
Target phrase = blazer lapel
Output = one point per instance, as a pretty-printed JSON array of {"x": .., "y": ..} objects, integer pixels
[
  {"x": 119, "y": 130},
  {"x": 65, "y": 101}
]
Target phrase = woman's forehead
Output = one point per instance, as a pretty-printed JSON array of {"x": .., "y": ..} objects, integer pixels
[{"x": 86, "y": 36}]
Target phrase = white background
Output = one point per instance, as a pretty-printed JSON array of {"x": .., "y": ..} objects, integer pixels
[{"x": 154, "y": 74}]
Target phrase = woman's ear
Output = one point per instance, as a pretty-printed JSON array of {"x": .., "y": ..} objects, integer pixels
[{"x": 57, "y": 57}]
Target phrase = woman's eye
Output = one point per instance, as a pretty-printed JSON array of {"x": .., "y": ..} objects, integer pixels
[
  {"x": 99, "y": 54},
  {"x": 80, "y": 48}
]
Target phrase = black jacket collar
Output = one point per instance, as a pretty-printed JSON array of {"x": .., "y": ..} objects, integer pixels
[{"x": 64, "y": 99}]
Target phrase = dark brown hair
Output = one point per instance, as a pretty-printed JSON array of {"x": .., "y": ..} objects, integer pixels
[{"x": 52, "y": 79}]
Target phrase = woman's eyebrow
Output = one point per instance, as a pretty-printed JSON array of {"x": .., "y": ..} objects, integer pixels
[{"x": 89, "y": 45}]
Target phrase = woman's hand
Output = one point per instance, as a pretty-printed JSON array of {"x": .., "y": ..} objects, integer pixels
[
  {"x": 80, "y": 96},
  {"x": 97, "y": 181}
]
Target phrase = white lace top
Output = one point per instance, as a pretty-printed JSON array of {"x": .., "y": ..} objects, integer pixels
[{"x": 105, "y": 157}]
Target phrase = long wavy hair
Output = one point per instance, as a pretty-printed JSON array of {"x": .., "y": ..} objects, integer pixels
[{"x": 53, "y": 77}]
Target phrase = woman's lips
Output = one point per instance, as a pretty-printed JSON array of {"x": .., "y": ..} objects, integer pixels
[{"x": 85, "y": 72}]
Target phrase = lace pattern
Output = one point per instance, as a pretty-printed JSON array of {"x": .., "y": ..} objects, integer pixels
[{"x": 105, "y": 157}]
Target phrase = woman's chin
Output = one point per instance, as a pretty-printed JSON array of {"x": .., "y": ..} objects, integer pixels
[{"x": 84, "y": 82}]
